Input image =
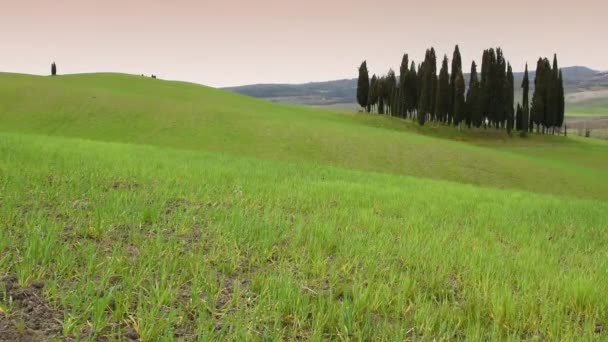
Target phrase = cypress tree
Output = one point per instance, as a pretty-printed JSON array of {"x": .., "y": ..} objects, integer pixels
[
  {"x": 403, "y": 80},
  {"x": 425, "y": 89},
  {"x": 526, "y": 103},
  {"x": 459, "y": 100},
  {"x": 456, "y": 67},
  {"x": 474, "y": 114},
  {"x": 538, "y": 108},
  {"x": 519, "y": 118},
  {"x": 412, "y": 90},
  {"x": 442, "y": 99},
  {"x": 500, "y": 100},
  {"x": 363, "y": 85},
  {"x": 553, "y": 96},
  {"x": 381, "y": 91},
  {"x": 390, "y": 84},
  {"x": 509, "y": 98},
  {"x": 373, "y": 93},
  {"x": 486, "y": 86},
  {"x": 433, "y": 79},
  {"x": 561, "y": 101},
  {"x": 53, "y": 69}
]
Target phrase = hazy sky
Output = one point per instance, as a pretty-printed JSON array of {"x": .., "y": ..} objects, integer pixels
[{"x": 233, "y": 42}]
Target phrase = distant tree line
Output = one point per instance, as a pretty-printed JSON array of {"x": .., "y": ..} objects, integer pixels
[{"x": 421, "y": 94}]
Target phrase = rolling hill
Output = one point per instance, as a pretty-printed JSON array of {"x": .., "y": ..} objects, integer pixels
[{"x": 133, "y": 208}]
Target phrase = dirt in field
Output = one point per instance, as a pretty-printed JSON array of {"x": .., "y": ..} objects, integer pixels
[
  {"x": 25, "y": 316},
  {"x": 30, "y": 318}
]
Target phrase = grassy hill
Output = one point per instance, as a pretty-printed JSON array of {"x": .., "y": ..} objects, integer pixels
[{"x": 158, "y": 209}]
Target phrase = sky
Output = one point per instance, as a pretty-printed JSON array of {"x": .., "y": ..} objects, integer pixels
[{"x": 235, "y": 42}]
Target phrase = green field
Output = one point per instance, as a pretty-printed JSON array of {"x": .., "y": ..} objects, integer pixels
[
  {"x": 166, "y": 210},
  {"x": 592, "y": 107}
]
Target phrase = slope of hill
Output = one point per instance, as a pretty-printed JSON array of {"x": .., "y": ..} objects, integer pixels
[
  {"x": 577, "y": 79},
  {"x": 182, "y": 115},
  {"x": 133, "y": 208}
]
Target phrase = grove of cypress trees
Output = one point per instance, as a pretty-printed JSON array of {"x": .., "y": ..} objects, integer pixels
[
  {"x": 456, "y": 67},
  {"x": 423, "y": 94},
  {"x": 363, "y": 86},
  {"x": 442, "y": 99}
]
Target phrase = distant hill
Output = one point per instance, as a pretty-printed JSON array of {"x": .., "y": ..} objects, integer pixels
[{"x": 343, "y": 91}]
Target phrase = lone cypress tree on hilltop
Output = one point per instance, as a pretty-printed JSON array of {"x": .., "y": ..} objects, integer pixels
[
  {"x": 363, "y": 86},
  {"x": 53, "y": 69}
]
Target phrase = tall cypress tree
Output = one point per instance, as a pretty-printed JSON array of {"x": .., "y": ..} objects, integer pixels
[
  {"x": 389, "y": 88},
  {"x": 433, "y": 80},
  {"x": 381, "y": 92},
  {"x": 526, "y": 103},
  {"x": 373, "y": 93},
  {"x": 561, "y": 101},
  {"x": 519, "y": 118},
  {"x": 474, "y": 113},
  {"x": 553, "y": 96},
  {"x": 509, "y": 97},
  {"x": 422, "y": 93},
  {"x": 499, "y": 79},
  {"x": 53, "y": 69},
  {"x": 442, "y": 99},
  {"x": 538, "y": 108},
  {"x": 410, "y": 90},
  {"x": 459, "y": 100},
  {"x": 363, "y": 85},
  {"x": 486, "y": 85},
  {"x": 425, "y": 89},
  {"x": 456, "y": 67},
  {"x": 403, "y": 80}
]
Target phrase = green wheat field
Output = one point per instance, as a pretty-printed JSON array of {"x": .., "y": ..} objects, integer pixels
[{"x": 168, "y": 210}]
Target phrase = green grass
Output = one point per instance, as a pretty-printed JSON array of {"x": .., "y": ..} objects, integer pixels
[
  {"x": 188, "y": 212},
  {"x": 133, "y": 109},
  {"x": 594, "y": 107}
]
